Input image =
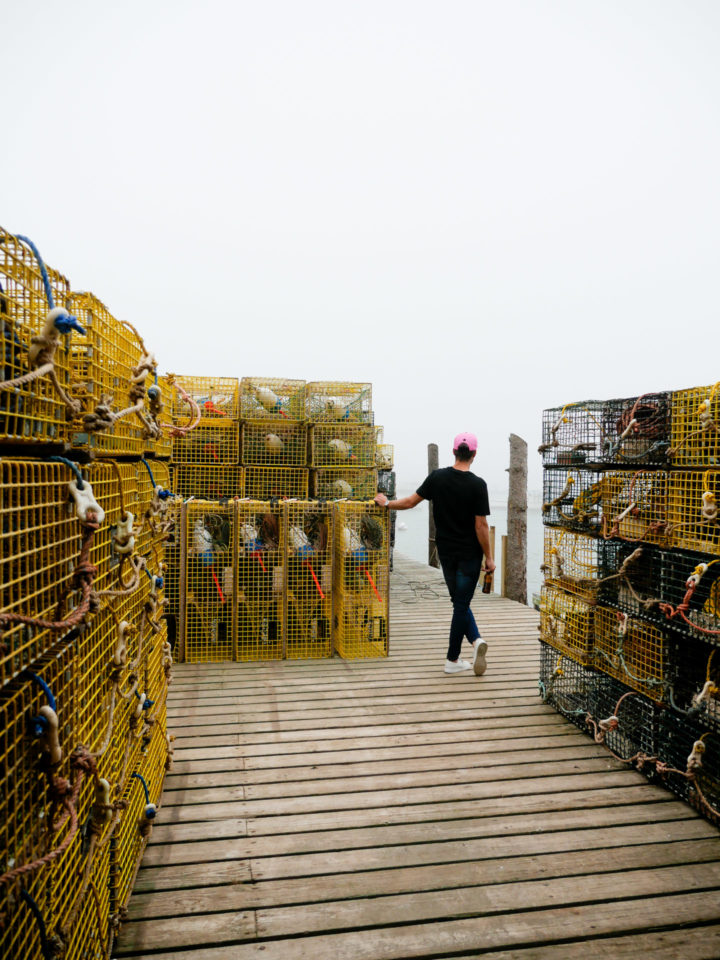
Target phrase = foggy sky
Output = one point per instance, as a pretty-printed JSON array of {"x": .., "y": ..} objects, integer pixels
[{"x": 483, "y": 208}]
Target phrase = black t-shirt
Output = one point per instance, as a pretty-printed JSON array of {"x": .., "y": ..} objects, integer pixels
[{"x": 458, "y": 496}]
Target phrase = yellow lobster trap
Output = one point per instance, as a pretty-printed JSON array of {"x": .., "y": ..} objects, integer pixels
[
  {"x": 274, "y": 443},
  {"x": 273, "y": 398},
  {"x": 695, "y": 427},
  {"x": 342, "y": 445},
  {"x": 634, "y": 505},
  {"x": 260, "y": 580},
  {"x": 632, "y": 651},
  {"x": 338, "y": 401},
  {"x": 308, "y": 587},
  {"x": 693, "y": 510},
  {"x": 210, "y": 444},
  {"x": 40, "y": 542},
  {"x": 361, "y": 580},
  {"x": 35, "y": 333},
  {"x": 217, "y": 398},
  {"x": 571, "y": 562},
  {"x": 109, "y": 373},
  {"x": 384, "y": 456},
  {"x": 270, "y": 483},
  {"x": 209, "y": 483},
  {"x": 160, "y": 444},
  {"x": 342, "y": 483},
  {"x": 566, "y": 624},
  {"x": 207, "y": 588}
]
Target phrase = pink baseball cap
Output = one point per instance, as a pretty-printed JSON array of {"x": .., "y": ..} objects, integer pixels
[{"x": 469, "y": 439}]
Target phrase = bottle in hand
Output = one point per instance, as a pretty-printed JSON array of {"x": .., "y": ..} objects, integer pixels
[{"x": 487, "y": 583}]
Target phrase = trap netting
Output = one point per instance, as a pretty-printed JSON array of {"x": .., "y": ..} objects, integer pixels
[{"x": 361, "y": 580}]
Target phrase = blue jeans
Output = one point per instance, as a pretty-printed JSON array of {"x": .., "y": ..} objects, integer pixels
[{"x": 461, "y": 576}]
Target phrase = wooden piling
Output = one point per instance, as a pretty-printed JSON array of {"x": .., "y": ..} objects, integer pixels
[
  {"x": 515, "y": 572},
  {"x": 433, "y": 463}
]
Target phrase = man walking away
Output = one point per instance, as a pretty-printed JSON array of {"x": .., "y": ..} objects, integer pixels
[{"x": 461, "y": 508}]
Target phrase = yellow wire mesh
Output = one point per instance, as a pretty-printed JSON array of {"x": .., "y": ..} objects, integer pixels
[
  {"x": 274, "y": 443},
  {"x": 342, "y": 445},
  {"x": 634, "y": 506},
  {"x": 384, "y": 456},
  {"x": 267, "y": 483},
  {"x": 566, "y": 624},
  {"x": 162, "y": 446},
  {"x": 108, "y": 483},
  {"x": 335, "y": 400},
  {"x": 693, "y": 510},
  {"x": 214, "y": 444},
  {"x": 39, "y": 542},
  {"x": 209, "y": 589},
  {"x": 308, "y": 579},
  {"x": 337, "y": 483},
  {"x": 33, "y": 412},
  {"x": 260, "y": 581},
  {"x": 217, "y": 397},
  {"x": 361, "y": 580},
  {"x": 209, "y": 483},
  {"x": 572, "y": 562},
  {"x": 102, "y": 371},
  {"x": 273, "y": 398},
  {"x": 153, "y": 511},
  {"x": 695, "y": 427},
  {"x": 632, "y": 651}
]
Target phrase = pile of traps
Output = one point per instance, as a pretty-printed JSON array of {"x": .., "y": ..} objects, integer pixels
[
  {"x": 278, "y": 551},
  {"x": 85, "y": 662},
  {"x": 630, "y": 606}
]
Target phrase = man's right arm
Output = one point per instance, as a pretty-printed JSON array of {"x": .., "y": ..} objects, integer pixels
[
  {"x": 482, "y": 532},
  {"x": 404, "y": 503}
]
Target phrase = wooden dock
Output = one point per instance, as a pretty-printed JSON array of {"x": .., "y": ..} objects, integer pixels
[{"x": 367, "y": 810}]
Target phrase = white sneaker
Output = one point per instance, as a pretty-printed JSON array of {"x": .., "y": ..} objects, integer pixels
[
  {"x": 479, "y": 662},
  {"x": 457, "y": 666}
]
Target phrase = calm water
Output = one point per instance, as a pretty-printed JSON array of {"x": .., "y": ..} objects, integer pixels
[{"x": 413, "y": 540}]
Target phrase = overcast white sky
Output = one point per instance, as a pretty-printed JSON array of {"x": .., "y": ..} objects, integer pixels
[{"x": 483, "y": 208}]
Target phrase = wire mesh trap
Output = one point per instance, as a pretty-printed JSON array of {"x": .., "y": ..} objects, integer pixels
[
  {"x": 308, "y": 588},
  {"x": 342, "y": 445},
  {"x": 566, "y": 624},
  {"x": 572, "y": 435},
  {"x": 571, "y": 562},
  {"x": 633, "y": 651},
  {"x": 361, "y": 580},
  {"x": 273, "y": 398},
  {"x": 637, "y": 431},
  {"x": 572, "y": 499},
  {"x": 338, "y": 401},
  {"x": 274, "y": 443}
]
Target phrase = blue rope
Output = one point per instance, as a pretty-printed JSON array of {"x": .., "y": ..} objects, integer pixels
[
  {"x": 160, "y": 580},
  {"x": 62, "y": 324},
  {"x": 164, "y": 494},
  {"x": 75, "y": 469},
  {"x": 148, "y": 702},
  {"x": 152, "y": 478},
  {"x": 140, "y": 777},
  {"x": 43, "y": 271},
  {"x": 39, "y": 919},
  {"x": 43, "y": 686},
  {"x": 38, "y": 726}
]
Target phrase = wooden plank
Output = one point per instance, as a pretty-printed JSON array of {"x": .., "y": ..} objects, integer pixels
[
  {"x": 373, "y": 870},
  {"x": 482, "y": 900},
  {"x": 221, "y": 840},
  {"x": 476, "y": 934}
]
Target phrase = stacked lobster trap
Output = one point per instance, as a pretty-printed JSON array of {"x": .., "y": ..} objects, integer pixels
[
  {"x": 271, "y": 471},
  {"x": 85, "y": 660},
  {"x": 630, "y": 606}
]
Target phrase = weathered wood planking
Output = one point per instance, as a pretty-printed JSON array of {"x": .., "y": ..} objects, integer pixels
[{"x": 379, "y": 809}]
